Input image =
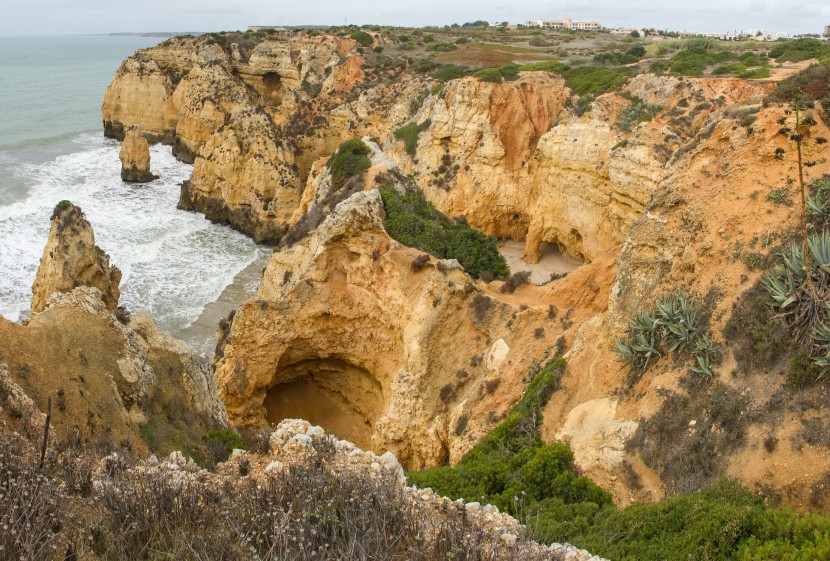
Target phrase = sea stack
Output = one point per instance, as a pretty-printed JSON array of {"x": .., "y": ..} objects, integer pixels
[
  {"x": 135, "y": 157},
  {"x": 71, "y": 259}
]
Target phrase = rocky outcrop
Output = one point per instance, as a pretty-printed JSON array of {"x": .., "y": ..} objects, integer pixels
[
  {"x": 203, "y": 101},
  {"x": 346, "y": 332},
  {"x": 135, "y": 158},
  {"x": 111, "y": 383},
  {"x": 245, "y": 176},
  {"x": 71, "y": 259},
  {"x": 115, "y": 381}
]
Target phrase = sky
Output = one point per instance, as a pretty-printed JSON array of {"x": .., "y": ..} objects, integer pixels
[{"x": 32, "y": 17}]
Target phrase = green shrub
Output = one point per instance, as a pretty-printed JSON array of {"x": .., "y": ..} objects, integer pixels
[
  {"x": 547, "y": 66},
  {"x": 411, "y": 220},
  {"x": 409, "y": 133},
  {"x": 637, "y": 112},
  {"x": 659, "y": 67},
  {"x": 363, "y": 38},
  {"x": 797, "y": 50},
  {"x": 694, "y": 61},
  {"x": 758, "y": 337},
  {"x": 349, "y": 160},
  {"x": 442, "y": 47},
  {"x": 450, "y": 72},
  {"x": 614, "y": 58},
  {"x": 596, "y": 80},
  {"x": 511, "y": 461},
  {"x": 225, "y": 440},
  {"x": 489, "y": 75},
  {"x": 753, "y": 73}
]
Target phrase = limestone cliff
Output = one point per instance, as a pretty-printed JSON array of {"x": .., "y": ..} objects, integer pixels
[
  {"x": 671, "y": 183},
  {"x": 245, "y": 176},
  {"x": 135, "y": 158},
  {"x": 71, "y": 259},
  {"x": 203, "y": 101},
  {"x": 346, "y": 332}
]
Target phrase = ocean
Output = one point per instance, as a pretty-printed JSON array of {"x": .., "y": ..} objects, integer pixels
[{"x": 185, "y": 270}]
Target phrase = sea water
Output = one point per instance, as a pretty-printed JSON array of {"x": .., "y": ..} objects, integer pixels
[{"x": 174, "y": 263}]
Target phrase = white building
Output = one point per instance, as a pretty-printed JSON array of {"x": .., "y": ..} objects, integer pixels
[
  {"x": 565, "y": 24},
  {"x": 827, "y": 30}
]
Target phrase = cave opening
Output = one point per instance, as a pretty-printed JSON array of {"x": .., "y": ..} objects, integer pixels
[
  {"x": 272, "y": 87},
  {"x": 342, "y": 398}
]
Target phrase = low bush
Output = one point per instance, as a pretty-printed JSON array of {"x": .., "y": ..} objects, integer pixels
[
  {"x": 813, "y": 83},
  {"x": 547, "y": 66},
  {"x": 694, "y": 61},
  {"x": 516, "y": 280},
  {"x": 614, "y": 58},
  {"x": 413, "y": 221},
  {"x": 223, "y": 442},
  {"x": 797, "y": 50},
  {"x": 450, "y": 72},
  {"x": 496, "y": 75},
  {"x": 595, "y": 80},
  {"x": 512, "y": 469},
  {"x": 442, "y": 47},
  {"x": 350, "y": 159},
  {"x": 637, "y": 112},
  {"x": 363, "y": 38},
  {"x": 409, "y": 133}
]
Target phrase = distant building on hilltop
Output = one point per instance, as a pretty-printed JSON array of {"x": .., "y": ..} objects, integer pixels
[
  {"x": 827, "y": 30},
  {"x": 565, "y": 24}
]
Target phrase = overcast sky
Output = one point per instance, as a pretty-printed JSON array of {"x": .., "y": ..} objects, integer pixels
[{"x": 27, "y": 17}]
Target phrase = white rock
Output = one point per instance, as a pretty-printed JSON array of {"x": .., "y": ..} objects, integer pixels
[{"x": 274, "y": 467}]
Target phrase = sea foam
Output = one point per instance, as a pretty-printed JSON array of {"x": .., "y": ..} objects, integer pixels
[{"x": 173, "y": 262}]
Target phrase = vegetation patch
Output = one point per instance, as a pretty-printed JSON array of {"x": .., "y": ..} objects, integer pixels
[
  {"x": 513, "y": 470},
  {"x": 596, "y": 80},
  {"x": 350, "y": 160},
  {"x": 674, "y": 326},
  {"x": 637, "y": 112},
  {"x": 409, "y": 133},
  {"x": 450, "y": 72},
  {"x": 687, "y": 440},
  {"x": 757, "y": 336},
  {"x": 797, "y": 50},
  {"x": 497, "y": 75},
  {"x": 363, "y": 38},
  {"x": 813, "y": 83},
  {"x": 413, "y": 221}
]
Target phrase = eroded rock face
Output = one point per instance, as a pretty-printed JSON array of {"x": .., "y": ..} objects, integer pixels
[
  {"x": 71, "y": 259},
  {"x": 109, "y": 379},
  {"x": 135, "y": 158},
  {"x": 245, "y": 176},
  {"x": 203, "y": 101},
  {"x": 404, "y": 360}
]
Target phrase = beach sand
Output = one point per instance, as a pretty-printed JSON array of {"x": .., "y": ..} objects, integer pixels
[{"x": 552, "y": 261}]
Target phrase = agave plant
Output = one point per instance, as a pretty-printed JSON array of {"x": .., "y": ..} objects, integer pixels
[
  {"x": 641, "y": 344},
  {"x": 702, "y": 366},
  {"x": 787, "y": 285},
  {"x": 678, "y": 316},
  {"x": 818, "y": 204}
]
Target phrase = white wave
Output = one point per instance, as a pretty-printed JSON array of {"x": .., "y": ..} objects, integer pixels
[{"x": 173, "y": 262}]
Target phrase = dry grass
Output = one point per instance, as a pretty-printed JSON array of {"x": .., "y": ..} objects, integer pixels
[{"x": 306, "y": 512}]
